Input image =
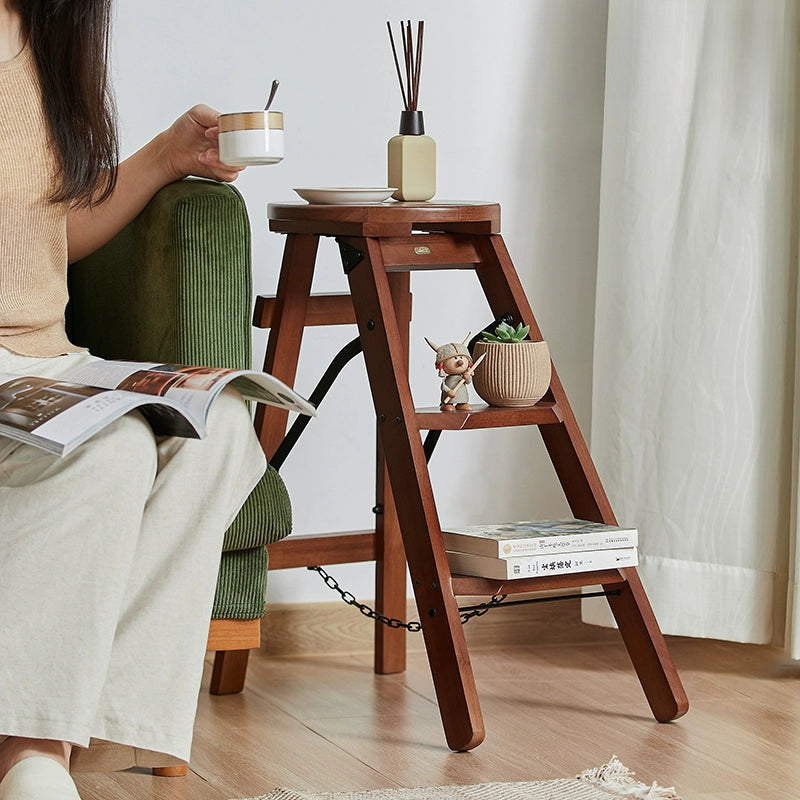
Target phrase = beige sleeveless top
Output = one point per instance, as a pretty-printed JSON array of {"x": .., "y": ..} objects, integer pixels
[{"x": 33, "y": 231}]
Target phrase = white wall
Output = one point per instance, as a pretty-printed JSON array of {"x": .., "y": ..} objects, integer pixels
[{"x": 512, "y": 91}]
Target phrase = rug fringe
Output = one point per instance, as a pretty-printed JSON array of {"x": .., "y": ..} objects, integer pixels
[
  {"x": 613, "y": 779},
  {"x": 617, "y": 778}
]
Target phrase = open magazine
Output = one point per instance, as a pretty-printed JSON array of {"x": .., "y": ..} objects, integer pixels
[{"x": 58, "y": 415}]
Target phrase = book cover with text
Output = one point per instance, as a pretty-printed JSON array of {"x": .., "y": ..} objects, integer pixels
[
  {"x": 509, "y": 539},
  {"x": 543, "y": 564}
]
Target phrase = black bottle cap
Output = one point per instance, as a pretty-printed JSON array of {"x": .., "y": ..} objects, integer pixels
[{"x": 411, "y": 123}]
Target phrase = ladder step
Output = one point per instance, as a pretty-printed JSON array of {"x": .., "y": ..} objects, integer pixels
[
  {"x": 470, "y": 585},
  {"x": 302, "y": 550},
  {"x": 482, "y": 416}
]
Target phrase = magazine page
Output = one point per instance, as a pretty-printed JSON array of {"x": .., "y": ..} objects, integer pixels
[
  {"x": 58, "y": 416},
  {"x": 192, "y": 387}
]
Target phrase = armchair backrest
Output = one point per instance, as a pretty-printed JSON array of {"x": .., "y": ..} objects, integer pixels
[{"x": 175, "y": 285}]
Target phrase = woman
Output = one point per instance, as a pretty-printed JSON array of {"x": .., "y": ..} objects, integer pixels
[{"x": 108, "y": 557}]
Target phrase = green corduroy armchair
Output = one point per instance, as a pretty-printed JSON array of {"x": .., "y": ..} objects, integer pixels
[{"x": 176, "y": 286}]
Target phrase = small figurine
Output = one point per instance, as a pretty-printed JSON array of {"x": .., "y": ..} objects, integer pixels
[{"x": 454, "y": 363}]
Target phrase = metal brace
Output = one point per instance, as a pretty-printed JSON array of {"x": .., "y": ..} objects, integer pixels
[{"x": 351, "y": 256}]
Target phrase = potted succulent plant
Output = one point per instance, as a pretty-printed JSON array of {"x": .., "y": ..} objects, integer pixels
[{"x": 515, "y": 371}]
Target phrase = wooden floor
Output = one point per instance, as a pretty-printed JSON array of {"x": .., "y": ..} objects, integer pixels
[{"x": 314, "y": 717}]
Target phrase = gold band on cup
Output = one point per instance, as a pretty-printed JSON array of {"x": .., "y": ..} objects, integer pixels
[{"x": 251, "y": 120}]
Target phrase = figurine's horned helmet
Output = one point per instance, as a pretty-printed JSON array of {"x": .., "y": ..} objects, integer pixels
[{"x": 445, "y": 351}]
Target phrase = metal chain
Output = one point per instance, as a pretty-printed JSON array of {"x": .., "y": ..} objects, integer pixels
[
  {"x": 392, "y": 622},
  {"x": 478, "y": 611}
]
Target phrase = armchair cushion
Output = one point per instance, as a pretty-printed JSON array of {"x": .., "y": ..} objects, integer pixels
[{"x": 176, "y": 286}]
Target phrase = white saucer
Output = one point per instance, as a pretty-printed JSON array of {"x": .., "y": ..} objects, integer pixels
[{"x": 342, "y": 195}]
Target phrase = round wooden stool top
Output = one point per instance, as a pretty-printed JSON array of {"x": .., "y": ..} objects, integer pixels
[{"x": 384, "y": 219}]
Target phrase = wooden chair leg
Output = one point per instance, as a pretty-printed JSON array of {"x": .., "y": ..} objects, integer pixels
[
  {"x": 230, "y": 669},
  {"x": 178, "y": 771}
]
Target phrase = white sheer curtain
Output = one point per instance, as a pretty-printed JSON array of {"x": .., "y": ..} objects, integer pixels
[{"x": 695, "y": 400}]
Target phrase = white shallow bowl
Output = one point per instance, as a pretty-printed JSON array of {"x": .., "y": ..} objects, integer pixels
[{"x": 342, "y": 195}]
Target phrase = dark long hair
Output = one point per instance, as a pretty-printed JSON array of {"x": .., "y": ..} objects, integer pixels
[{"x": 70, "y": 43}]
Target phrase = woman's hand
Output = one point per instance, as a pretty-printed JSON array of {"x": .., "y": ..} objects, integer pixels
[{"x": 191, "y": 147}]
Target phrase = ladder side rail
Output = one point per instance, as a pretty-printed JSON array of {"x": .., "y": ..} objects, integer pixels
[
  {"x": 564, "y": 441},
  {"x": 286, "y": 334},
  {"x": 390, "y": 572},
  {"x": 384, "y": 356},
  {"x": 587, "y": 499}
]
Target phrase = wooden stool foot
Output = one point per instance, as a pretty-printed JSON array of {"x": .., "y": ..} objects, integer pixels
[
  {"x": 647, "y": 649},
  {"x": 178, "y": 771}
]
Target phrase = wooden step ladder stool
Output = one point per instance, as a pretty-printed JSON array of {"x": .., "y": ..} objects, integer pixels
[{"x": 380, "y": 246}]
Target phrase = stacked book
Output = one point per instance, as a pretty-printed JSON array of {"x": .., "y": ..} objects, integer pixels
[{"x": 534, "y": 549}]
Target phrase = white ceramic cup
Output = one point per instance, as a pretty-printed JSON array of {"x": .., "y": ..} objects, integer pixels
[{"x": 248, "y": 138}]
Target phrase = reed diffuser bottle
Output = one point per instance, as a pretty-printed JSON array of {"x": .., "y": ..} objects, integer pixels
[{"x": 411, "y": 154}]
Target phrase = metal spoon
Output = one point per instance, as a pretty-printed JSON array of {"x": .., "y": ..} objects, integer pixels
[{"x": 271, "y": 94}]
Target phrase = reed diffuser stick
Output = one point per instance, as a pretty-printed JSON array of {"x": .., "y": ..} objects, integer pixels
[
  {"x": 418, "y": 63},
  {"x": 412, "y": 62},
  {"x": 397, "y": 64},
  {"x": 409, "y": 49}
]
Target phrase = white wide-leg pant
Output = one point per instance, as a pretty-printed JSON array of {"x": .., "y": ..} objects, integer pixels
[{"x": 108, "y": 565}]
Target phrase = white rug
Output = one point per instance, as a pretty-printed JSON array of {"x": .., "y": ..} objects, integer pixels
[{"x": 612, "y": 780}]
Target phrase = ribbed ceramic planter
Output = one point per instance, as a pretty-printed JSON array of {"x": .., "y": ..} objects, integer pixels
[{"x": 512, "y": 375}]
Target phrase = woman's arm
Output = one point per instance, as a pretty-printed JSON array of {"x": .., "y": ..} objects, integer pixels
[{"x": 187, "y": 147}]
